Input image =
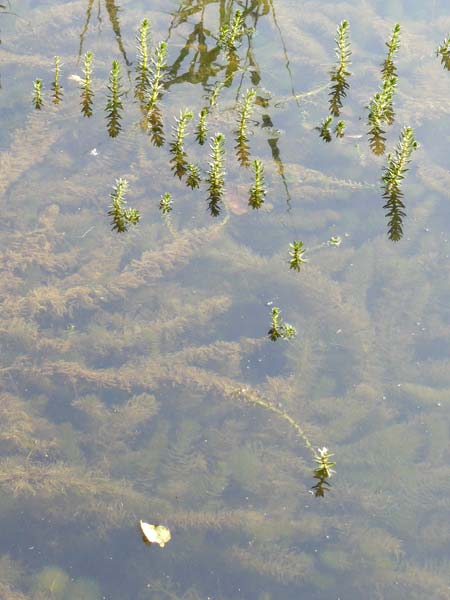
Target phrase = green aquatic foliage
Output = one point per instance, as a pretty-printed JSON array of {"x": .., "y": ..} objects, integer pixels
[
  {"x": 215, "y": 177},
  {"x": 165, "y": 204},
  {"x": 154, "y": 122},
  {"x": 339, "y": 130},
  {"x": 444, "y": 52},
  {"x": 258, "y": 189},
  {"x": 297, "y": 254},
  {"x": 324, "y": 129},
  {"x": 323, "y": 471},
  {"x": 179, "y": 164},
  {"x": 193, "y": 177},
  {"x": 244, "y": 111},
  {"x": 381, "y": 113},
  {"x": 37, "y": 94},
  {"x": 121, "y": 216},
  {"x": 279, "y": 329},
  {"x": 142, "y": 63},
  {"x": 201, "y": 131},
  {"x": 231, "y": 33},
  {"x": 392, "y": 178},
  {"x": 340, "y": 73},
  {"x": 389, "y": 69},
  {"x": 87, "y": 93},
  {"x": 57, "y": 90},
  {"x": 114, "y": 105}
]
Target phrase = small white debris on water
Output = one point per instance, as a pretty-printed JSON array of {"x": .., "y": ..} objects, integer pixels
[
  {"x": 75, "y": 78},
  {"x": 94, "y": 152}
]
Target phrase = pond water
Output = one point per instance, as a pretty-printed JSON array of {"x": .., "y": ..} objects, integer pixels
[{"x": 138, "y": 380}]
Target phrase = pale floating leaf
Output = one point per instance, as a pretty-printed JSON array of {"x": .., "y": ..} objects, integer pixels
[{"x": 155, "y": 534}]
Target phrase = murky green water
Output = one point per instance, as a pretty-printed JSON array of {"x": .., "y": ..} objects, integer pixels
[{"x": 122, "y": 354}]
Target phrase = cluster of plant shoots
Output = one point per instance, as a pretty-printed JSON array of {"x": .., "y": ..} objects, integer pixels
[{"x": 380, "y": 114}]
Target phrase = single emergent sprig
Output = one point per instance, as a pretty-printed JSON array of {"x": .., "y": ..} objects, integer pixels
[
  {"x": 381, "y": 112},
  {"x": 339, "y": 73},
  {"x": 393, "y": 175},
  {"x": 121, "y": 216},
  {"x": 87, "y": 94},
  {"x": 201, "y": 130},
  {"x": 142, "y": 63},
  {"x": 154, "y": 122},
  {"x": 245, "y": 108},
  {"x": 280, "y": 329},
  {"x": 57, "y": 91},
  {"x": 258, "y": 189},
  {"x": 193, "y": 178},
  {"x": 114, "y": 104},
  {"x": 215, "y": 177},
  {"x": 231, "y": 33},
  {"x": 37, "y": 94},
  {"x": 324, "y": 129},
  {"x": 323, "y": 471},
  {"x": 444, "y": 52},
  {"x": 388, "y": 68},
  {"x": 178, "y": 161},
  {"x": 165, "y": 204},
  {"x": 297, "y": 253}
]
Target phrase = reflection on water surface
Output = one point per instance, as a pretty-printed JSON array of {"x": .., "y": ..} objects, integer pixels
[{"x": 129, "y": 361}]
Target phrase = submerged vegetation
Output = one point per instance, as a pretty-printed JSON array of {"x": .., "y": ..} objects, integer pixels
[{"x": 138, "y": 379}]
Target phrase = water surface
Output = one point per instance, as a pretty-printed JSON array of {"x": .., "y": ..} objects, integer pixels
[{"x": 121, "y": 355}]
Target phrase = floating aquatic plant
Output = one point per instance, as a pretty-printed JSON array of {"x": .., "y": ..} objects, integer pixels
[
  {"x": 154, "y": 121},
  {"x": 393, "y": 175},
  {"x": 37, "y": 94},
  {"x": 193, "y": 178},
  {"x": 114, "y": 104},
  {"x": 279, "y": 329},
  {"x": 444, "y": 52},
  {"x": 339, "y": 130},
  {"x": 381, "y": 112},
  {"x": 121, "y": 216},
  {"x": 178, "y": 161},
  {"x": 165, "y": 203},
  {"x": 244, "y": 110},
  {"x": 322, "y": 456},
  {"x": 340, "y": 73},
  {"x": 297, "y": 253},
  {"x": 323, "y": 471},
  {"x": 142, "y": 63},
  {"x": 87, "y": 94},
  {"x": 324, "y": 129},
  {"x": 231, "y": 33},
  {"x": 201, "y": 130},
  {"x": 388, "y": 68},
  {"x": 258, "y": 189},
  {"x": 216, "y": 174},
  {"x": 57, "y": 91}
]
